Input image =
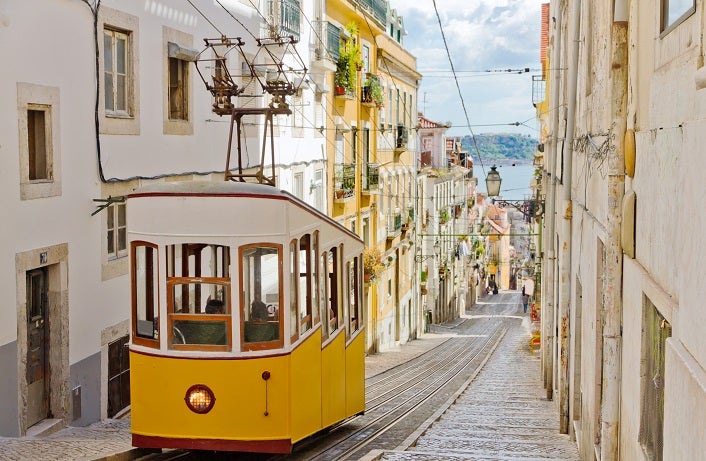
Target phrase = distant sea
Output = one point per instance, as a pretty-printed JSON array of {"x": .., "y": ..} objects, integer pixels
[{"x": 516, "y": 178}]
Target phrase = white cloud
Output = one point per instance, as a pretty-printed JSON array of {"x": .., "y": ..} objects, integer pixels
[{"x": 481, "y": 35}]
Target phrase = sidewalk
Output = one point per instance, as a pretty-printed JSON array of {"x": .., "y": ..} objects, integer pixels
[{"x": 110, "y": 440}]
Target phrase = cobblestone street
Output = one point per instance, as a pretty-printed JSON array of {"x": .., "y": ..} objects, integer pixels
[{"x": 502, "y": 415}]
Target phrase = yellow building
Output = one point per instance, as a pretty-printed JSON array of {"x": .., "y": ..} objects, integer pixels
[{"x": 370, "y": 150}]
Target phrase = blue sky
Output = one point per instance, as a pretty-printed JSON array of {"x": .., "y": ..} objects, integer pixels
[{"x": 481, "y": 35}]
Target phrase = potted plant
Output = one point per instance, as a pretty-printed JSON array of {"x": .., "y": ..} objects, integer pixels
[
  {"x": 372, "y": 90},
  {"x": 372, "y": 264},
  {"x": 350, "y": 59}
]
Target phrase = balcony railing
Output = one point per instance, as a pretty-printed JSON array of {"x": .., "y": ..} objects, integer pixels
[
  {"x": 377, "y": 8},
  {"x": 371, "y": 180},
  {"x": 344, "y": 181},
  {"x": 394, "y": 224},
  {"x": 287, "y": 13}
]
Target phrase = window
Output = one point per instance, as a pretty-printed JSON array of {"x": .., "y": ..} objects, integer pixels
[
  {"x": 365, "y": 49},
  {"x": 305, "y": 273},
  {"x": 354, "y": 296},
  {"x": 334, "y": 288},
  {"x": 38, "y": 143},
  {"x": 298, "y": 185},
  {"x": 39, "y": 149},
  {"x": 145, "y": 301},
  {"x": 178, "y": 79},
  {"x": 261, "y": 282},
  {"x": 115, "y": 72},
  {"x": 656, "y": 330},
  {"x": 118, "y": 60},
  {"x": 675, "y": 11},
  {"x": 293, "y": 291},
  {"x": 198, "y": 297},
  {"x": 116, "y": 231},
  {"x": 319, "y": 190}
]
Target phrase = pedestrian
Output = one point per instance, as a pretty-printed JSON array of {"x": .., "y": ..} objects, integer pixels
[
  {"x": 525, "y": 301},
  {"x": 523, "y": 290}
]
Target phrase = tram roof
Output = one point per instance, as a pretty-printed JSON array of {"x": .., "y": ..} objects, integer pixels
[{"x": 213, "y": 188}]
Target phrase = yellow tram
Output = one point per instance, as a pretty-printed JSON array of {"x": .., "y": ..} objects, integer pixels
[{"x": 247, "y": 318}]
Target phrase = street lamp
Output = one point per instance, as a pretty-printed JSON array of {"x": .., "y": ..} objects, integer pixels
[
  {"x": 492, "y": 182},
  {"x": 437, "y": 252},
  {"x": 531, "y": 208}
]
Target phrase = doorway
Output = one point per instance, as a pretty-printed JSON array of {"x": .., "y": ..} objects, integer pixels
[{"x": 38, "y": 377}]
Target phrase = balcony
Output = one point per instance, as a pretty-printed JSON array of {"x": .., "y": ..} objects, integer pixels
[
  {"x": 289, "y": 14},
  {"x": 394, "y": 224},
  {"x": 377, "y": 8},
  {"x": 344, "y": 182},
  {"x": 407, "y": 226},
  {"x": 371, "y": 179}
]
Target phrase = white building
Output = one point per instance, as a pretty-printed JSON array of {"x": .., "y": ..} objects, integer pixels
[
  {"x": 623, "y": 258},
  {"x": 96, "y": 103}
]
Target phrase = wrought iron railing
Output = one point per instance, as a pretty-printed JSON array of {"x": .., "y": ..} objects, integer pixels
[
  {"x": 344, "y": 180},
  {"x": 371, "y": 181}
]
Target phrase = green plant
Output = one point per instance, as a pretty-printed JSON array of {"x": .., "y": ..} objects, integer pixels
[
  {"x": 444, "y": 215},
  {"x": 350, "y": 59},
  {"x": 372, "y": 90},
  {"x": 372, "y": 262}
]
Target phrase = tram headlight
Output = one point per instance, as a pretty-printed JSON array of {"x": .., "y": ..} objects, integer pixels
[{"x": 199, "y": 398}]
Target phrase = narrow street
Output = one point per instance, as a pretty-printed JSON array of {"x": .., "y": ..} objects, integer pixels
[{"x": 502, "y": 413}]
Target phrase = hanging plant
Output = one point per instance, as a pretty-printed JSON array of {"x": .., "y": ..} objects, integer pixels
[{"x": 372, "y": 263}]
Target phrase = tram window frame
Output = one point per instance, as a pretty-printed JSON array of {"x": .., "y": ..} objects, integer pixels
[
  {"x": 198, "y": 319},
  {"x": 324, "y": 298},
  {"x": 354, "y": 295},
  {"x": 250, "y": 293},
  {"x": 305, "y": 284},
  {"x": 151, "y": 285},
  {"x": 293, "y": 291},
  {"x": 346, "y": 297},
  {"x": 333, "y": 269},
  {"x": 315, "y": 278},
  {"x": 191, "y": 267}
]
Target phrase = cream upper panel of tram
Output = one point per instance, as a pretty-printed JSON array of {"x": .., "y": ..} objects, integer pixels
[{"x": 207, "y": 209}]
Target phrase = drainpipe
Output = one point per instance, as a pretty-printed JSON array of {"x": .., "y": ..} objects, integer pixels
[
  {"x": 612, "y": 284},
  {"x": 565, "y": 237},
  {"x": 547, "y": 309}
]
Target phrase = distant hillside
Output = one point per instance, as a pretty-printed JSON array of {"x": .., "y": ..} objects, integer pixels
[{"x": 495, "y": 146}]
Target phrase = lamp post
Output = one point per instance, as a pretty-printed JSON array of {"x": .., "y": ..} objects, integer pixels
[{"x": 531, "y": 208}]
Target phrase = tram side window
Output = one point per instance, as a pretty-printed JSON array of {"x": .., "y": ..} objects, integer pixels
[
  {"x": 316, "y": 279},
  {"x": 293, "y": 291},
  {"x": 334, "y": 291},
  {"x": 323, "y": 296},
  {"x": 306, "y": 272},
  {"x": 145, "y": 304},
  {"x": 198, "y": 297},
  {"x": 261, "y": 272},
  {"x": 354, "y": 296}
]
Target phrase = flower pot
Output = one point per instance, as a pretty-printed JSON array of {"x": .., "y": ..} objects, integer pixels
[{"x": 340, "y": 91}]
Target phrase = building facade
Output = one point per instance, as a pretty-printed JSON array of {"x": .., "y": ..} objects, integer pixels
[{"x": 622, "y": 275}]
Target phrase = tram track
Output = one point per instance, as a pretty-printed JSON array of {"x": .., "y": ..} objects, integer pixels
[{"x": 380, "y": 427}]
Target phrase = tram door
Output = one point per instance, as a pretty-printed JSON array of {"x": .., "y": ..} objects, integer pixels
[{"x": 37, "y": 378}]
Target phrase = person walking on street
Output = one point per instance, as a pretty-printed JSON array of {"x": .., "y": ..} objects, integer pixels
[{"x": 525, "y": 302}]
